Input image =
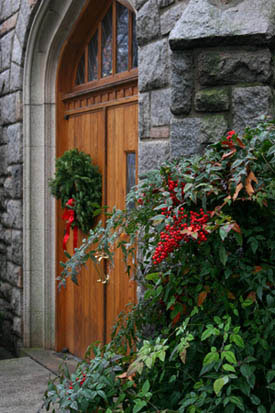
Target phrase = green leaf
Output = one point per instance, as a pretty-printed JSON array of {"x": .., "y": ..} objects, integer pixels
[
  {"x": 145, "y": 387},
  {"x": 223, "y": 255},
  {"x": 154, "y": 276},
  {"x": 270, "y": 375},
  {"x": 139, "y": 404},
  {"x": 237, "y": 340},
  {"x": 261, "y": 409},
  {"x": 207, "y": 333},
  {"x": 255, "y": 400},
  {"x": 246, "y": 370},
  {"x": 244, "y": 386},
  {"x": 223, "y": 232},
  {"x": 230, "y": 357},
  {"x": 228, "y": 367},
  {"x": 271, "y": 386},
  {"x": 102, "y": 394},
  {"x": 238, "y": 402},
  {"x": 210, "y": 358},
  {"x": 230, "y": 408},
  {"x": 74, "y": 406},
  {"x": 219, "y": 383}
]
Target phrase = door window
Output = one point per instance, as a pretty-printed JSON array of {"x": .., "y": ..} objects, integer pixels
[{"x": 112, "y": 49}]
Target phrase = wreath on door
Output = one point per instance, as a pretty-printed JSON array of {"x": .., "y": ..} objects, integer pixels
[{"x": 78, "y": 184}]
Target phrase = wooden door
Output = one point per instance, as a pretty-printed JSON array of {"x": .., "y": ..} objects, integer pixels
[
  {"x": 108, "y": 132},
  {"x": 97, "y": 99}
]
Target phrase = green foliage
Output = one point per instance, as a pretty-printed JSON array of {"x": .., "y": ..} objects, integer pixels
[
  {"x": 76, "y": 177},
  {"x": 203, "y": 332}
]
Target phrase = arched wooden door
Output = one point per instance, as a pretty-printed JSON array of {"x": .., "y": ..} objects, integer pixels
[{"x": 97, "y": 113}]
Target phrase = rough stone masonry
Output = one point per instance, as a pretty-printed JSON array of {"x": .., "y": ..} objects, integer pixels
[
  {"x": 205, "y": 66},
  {"x": 15, "y": 19}
]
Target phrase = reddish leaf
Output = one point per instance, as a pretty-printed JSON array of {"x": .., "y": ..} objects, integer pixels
[
  {"x": 236, "y": 228},
  {"x": 231, "y": 296},
  {"x": 257, "y": 268},
  {"x": 240, "y": 143},
  {"x": 229, "y": 154},
  {"x": 176, "y": 319},
  {"x": 239, "y": 187},
  {"x": 123, "y": 376},
  {"x": 248, "y": 186},
  {"x": 201, "y": 298},
  {"x": 252, "y": 296},
  {"x": 183, "y": 355}
]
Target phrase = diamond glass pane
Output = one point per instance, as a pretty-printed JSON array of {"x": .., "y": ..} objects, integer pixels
[
  {"x": 135, "y": 46},
  {"x": 80, "y": 76},
  {"x": 131, "y": 175},
  {"x": 107, "y": 44},
  {"x": 92, "y": 58},
  {"x": 122, "y": 38}
]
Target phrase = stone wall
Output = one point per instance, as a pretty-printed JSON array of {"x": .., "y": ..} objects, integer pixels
[
  {"x": 155, "y": 20},
  {"x": 216, "y": 75},
  {"x": 222, "y": 70},
  {"x": 15, "y": 18}
]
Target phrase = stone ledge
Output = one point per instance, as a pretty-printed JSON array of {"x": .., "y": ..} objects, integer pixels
[
  {"x": 50, "y": 359},
  {"x": 204, "y": 24}
]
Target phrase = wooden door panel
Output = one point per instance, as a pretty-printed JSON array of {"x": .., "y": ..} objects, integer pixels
[
  {"x": 122, "y": 138},
  {"x": 89, "y": 295},
  {"x": 65, "y": 298},
  {"x": 82, "y": 307}
]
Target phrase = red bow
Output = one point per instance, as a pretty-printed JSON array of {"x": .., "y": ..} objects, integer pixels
[{"x": 69, "y": 217}]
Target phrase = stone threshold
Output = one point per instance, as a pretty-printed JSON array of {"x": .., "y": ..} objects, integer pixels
[{"x": 50, "y": 359}]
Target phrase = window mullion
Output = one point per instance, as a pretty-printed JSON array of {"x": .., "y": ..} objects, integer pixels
[
  {"x": 99, "y": 51},
  {"x": 86, "y": 64},
  {"x": 114, "y": 43}
]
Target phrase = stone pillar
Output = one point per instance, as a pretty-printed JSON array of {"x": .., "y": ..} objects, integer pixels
[{"x": 222, "y": 70}]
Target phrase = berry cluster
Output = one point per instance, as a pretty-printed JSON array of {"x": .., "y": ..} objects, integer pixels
[
  {"x": 229, "y": 142},
  {"x": 184, "y": 228},
  {"x": 83, "y": 379},
  {"x": 171, "y": 187}
]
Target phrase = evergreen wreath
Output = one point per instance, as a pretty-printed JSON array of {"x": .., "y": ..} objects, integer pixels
[{"x": 77, "y": 178}]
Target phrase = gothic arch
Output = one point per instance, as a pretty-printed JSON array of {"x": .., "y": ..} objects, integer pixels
[{"x": 50, "y": 30}]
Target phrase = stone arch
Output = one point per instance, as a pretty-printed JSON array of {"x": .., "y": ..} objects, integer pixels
[{"x": 51, "y": 27}]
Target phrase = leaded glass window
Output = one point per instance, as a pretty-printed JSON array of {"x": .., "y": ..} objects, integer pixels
[
  {"x": 131, "y": 174},
  {"x": 80, "y": 76},
  {"x": 107, "y": 55},
  {"x": 122, "y": 38},
  {"x": 92, "y": 58},
  {"x": 112, "y": 49}
]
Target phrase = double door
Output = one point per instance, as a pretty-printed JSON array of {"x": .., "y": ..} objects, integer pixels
[{"x": 104, "y": 125}]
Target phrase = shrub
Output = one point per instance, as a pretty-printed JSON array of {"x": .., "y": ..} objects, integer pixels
[{"x": 203, "y": 332}]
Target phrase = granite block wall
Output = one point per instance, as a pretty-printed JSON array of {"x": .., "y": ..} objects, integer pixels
[
  {"x": 224, "y": 88},
  {"x": 15, "y": 19},
  {"x": 205, "y": 66},
  {"x": 155, "y": 20}
]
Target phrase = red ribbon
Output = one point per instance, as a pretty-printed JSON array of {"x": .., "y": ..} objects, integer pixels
[{"x": 69, "y": 217}]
